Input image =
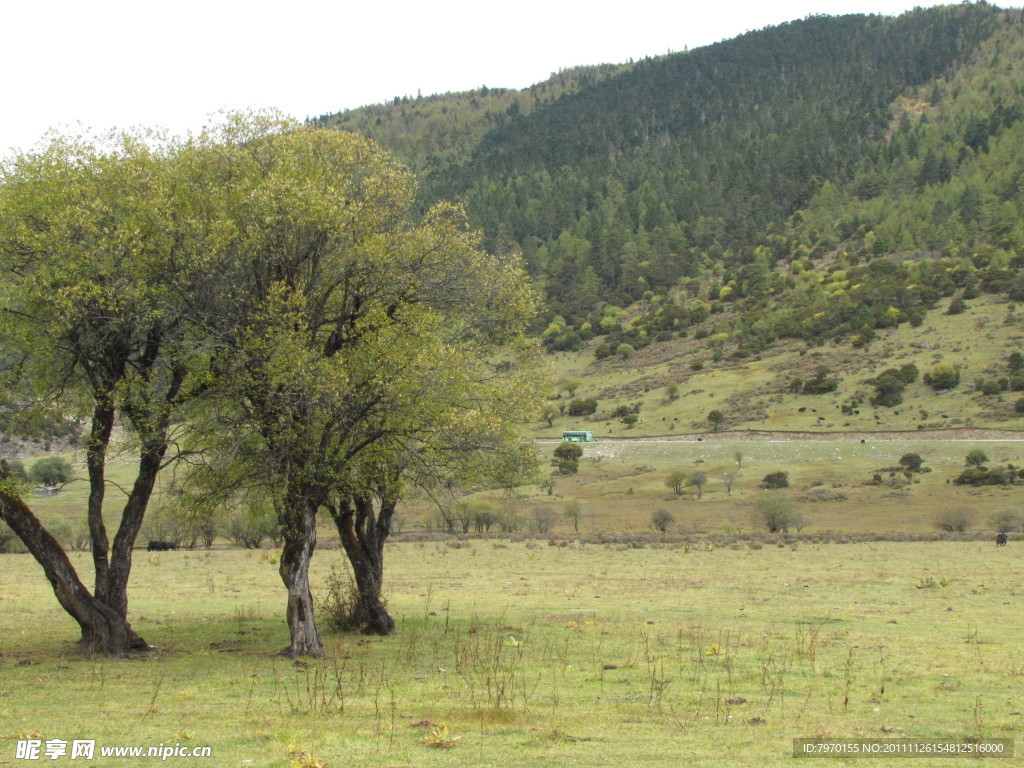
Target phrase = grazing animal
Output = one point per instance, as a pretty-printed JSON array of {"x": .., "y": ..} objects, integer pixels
[
  {"x": 161, "y": 546},
  {"x": 1001, "y": 540}
]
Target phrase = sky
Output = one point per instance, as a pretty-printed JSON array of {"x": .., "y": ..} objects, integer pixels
[{"x": 101, "y": 64}]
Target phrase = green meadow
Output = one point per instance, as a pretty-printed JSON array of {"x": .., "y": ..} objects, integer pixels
[{"x": 530, "y": 653}]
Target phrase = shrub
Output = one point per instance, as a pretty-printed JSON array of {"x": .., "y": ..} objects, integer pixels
[
  {"x": 777, "y": 514},
  {"x": 909, "y": 373},
  {"x": 943, "y": 376},
  {"x": 775, "y": 480},
  {"x": 981, "y": 476},
  {"x": 953, "y": 521},
  {"x": 339, "y": 605},
  {"x": 583, "y": 407},
  {"x": 249, "y": 526},
  {"x": 543, "y": 520},
  {"x": 662, "y": 520},
  {"x": 1006, "y": 521},
  {"x": 990, "y": 387},
  {"x": 7, "y": 536}
]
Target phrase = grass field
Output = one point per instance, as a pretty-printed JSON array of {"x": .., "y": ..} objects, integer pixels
[
  {"x": 519, "y": 653},
  {"x": 621, "y": 483}
]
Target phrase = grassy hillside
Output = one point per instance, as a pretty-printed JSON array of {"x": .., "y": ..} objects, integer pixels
[{"x": 754, "y": 393}]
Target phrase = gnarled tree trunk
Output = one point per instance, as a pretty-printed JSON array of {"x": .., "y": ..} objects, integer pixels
[
  {"x": 104, "y": 630},
  {"x": 299, "y": 529},
  {"x": 363, "y": 533}
]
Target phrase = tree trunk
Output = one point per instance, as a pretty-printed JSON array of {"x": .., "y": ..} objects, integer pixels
[
  {"x": 363, "y": 534},
  {"x": 103, "y": 629},
  {"x": 95, "y": 462},
  {"x": 115, "y": 588},
  {"x": 299, "y": 529}
]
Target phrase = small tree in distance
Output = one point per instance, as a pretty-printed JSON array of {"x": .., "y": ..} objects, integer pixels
[
  {"x": 573, "y": 512},
  {"x": 976, "y": 458},
  {"x": 53, "y": 470},
  {"x": 911, "y": 462},
  {"x": 675, "y": 481},
  {"x": 567, "y": 456},
  {"x": 698, "y": 481}
]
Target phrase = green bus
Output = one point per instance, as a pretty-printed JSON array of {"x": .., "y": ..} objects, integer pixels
[{"x": 578, "y": 436}]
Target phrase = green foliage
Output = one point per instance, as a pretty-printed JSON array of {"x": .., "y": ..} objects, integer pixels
[
  {"x": 821, "y": 384},
  {"x": 957, "y": 307},
  {"x": 52, "y": 470},
  {"x": 775, "y": 480},
  {"x": 911, "y": 462},
  {"x": 980, "y": 476},
  {"x": 888, "y": 389},
  {"x": 250, "y": 525},
  {"x": 568, "y": 450},
  {"x": 943, "y": 376},
  {"x": 582, "y": 407},
  {"x": 675, "y": 481},
  {"x": 704, "y": 187},
  {"x": 976, "y": 458},
  {"x": 567, "y": 456},
  {"x": 18, "y": 472}
]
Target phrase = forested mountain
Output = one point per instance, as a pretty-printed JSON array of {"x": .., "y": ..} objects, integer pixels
[{"x": 822, "y": 178}]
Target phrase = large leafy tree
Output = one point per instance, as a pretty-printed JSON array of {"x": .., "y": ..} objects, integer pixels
[
  {"x": 88, "y": 232},
  {"x": 354, "y": 350}
]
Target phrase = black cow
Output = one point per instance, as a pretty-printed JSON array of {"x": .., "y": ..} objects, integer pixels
[
  {"x": 161, "y": 546},
  {"x": 1001, "y": 540}
]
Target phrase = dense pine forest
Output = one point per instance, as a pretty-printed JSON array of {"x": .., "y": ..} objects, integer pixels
[{"x": 821, "y": 179}]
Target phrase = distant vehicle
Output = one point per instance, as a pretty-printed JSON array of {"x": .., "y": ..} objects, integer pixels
[{"x": 578, "y": 436}]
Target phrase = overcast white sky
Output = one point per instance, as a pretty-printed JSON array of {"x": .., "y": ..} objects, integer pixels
[{"x": 119, "y": 63}]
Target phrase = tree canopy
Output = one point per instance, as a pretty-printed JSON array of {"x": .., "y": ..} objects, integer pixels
[{"x": 333, "y": 345}]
